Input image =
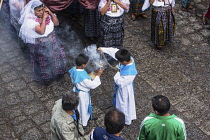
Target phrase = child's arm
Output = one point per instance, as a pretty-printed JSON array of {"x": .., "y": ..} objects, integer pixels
[
  {"x": 123, "y": 80},
  {"x": 111, "y": 51},
  {"x": 92, "y": 84}
]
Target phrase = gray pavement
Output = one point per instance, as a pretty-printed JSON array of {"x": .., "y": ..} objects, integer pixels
[{"x": 181, "y": 71}]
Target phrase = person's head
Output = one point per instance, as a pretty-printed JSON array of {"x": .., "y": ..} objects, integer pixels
[
  {"x": 70, "y": 101},
  {"x": 38, "y": 8},
  {"x": 160, "y": 104},
  {"x": 114, "y": 121},
  {"x": 81, "y": 60},
  {"x": 123, "y": 56}
]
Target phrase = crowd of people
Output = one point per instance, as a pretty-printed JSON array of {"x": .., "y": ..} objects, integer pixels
[
  {"x": 35, "y": 23},
  {"x": 160, "y": 125}
]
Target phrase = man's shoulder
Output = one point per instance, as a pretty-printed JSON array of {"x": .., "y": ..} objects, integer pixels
[
  {"x": 102, "y": 134},
  {"x": 59, "y": 115},
  {"x": 179, "y": 120}
]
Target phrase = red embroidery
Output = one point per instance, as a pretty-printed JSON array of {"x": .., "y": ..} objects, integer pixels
[{"x": 47, "y": 22}]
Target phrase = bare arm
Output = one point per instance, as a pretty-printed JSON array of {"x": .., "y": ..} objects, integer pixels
[
  {"x": 173, "y": 9},
  {"x": 18, "y": 5},
  {"x": 104, "y": 9},
  {"x": 151, "y": 1},
  {"x": 24, "y": 2},
  {"x": 40, "y": 29},
  {"x": 53, "y": 17},
  {"x": 124, "y": 6}
]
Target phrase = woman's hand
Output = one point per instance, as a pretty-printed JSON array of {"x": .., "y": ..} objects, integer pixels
[
  {"x": 105, "y": 8},
  {"x": 122, "y": 5},
  {"x": 53, "y": 17},
  {"x": 45, "y": 14},
  {"x": 47, "y": 10}
]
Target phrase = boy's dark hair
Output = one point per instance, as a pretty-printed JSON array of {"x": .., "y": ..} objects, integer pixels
[
  {"x": 81, "y": 59},
  {"x": 123, "y": 55},
  {"x": 70, "y": 101},
  {"x": 114, "y": 121},
  {"x": 161, "y": 104}
]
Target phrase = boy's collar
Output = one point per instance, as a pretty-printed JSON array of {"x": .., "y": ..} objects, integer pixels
[{"x": 79, "y": 69}]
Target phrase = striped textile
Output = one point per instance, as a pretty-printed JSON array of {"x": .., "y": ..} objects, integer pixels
[
  {"x": 136, "y": 7},
  {"x": 112, "y": 31},
  {"x": 92, "y": 21},
  {"x": 48, "y": 58},
  {"x": 162, "y": 25}
]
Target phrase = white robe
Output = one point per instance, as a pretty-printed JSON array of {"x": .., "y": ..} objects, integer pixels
[
  {"x": 84, "y": 99},
  {"x": 125, "y": 100}
]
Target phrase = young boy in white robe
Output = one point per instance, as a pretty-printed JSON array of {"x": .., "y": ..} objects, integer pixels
[
  {"x": 124, "y": 91},
  {"x": 82, "y": 85}
]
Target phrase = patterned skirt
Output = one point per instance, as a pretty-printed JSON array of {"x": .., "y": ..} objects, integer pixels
[
  {"x": 162, "y": 25},
  {"x": 112, "y": 31},
  {"x": 185, "y": 3},
  {"x": 136, "y": 7},
  {"x": 48, "y": 58},
  {"x": 92, "y": 23}
]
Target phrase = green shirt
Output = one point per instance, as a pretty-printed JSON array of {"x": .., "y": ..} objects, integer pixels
[{"x": 156, "y": 127}]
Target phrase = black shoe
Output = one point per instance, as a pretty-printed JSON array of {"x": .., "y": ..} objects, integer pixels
[
  {"x": 93, "y": 118},
  {"x": 159, "y": 47}
]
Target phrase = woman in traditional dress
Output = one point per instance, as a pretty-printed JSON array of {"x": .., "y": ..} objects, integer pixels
[
  {"x": 47, "y": 54},
  {"x": 112, "y": 22},
  {"x": 162, "y": 21},
  {"x": 186, "y": 5},
  {"x": 136, "y": 8}
]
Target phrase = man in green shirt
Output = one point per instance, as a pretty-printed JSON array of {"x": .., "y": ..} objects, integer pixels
[{"x": 161, "y": 125}]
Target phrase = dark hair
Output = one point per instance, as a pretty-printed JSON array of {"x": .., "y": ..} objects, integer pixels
[
  {"x": 123, "y": 55},
  {"x": 161, "y": 104},
  {"x": 70, "y": 101},
  {"x": 81, "y": 59},
  {"x": 114, "y": 121}
]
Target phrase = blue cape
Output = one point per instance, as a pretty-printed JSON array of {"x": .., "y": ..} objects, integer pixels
[
  {"x": 128, "y": 69},
  {"x": 78, "y": 76}
]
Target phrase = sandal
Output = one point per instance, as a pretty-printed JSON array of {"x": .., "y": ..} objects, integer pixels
[
  {"x": 183, "y": 8},
  {"x": 133, "y": 17},
  {"x": 191, "y": 7},
  {"x": 144, "y": 16},
  {"x": 159, "y": 47}
]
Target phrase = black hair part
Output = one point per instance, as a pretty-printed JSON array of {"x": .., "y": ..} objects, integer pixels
[
  {"x": 81, "y": 59},
  {"x": 114, "y": 121},
  {"x": 123, "y": 55},
  {"x": 161, "y": 104},
  {"x": 70, "y": 101},
  {"x": 38, "y": 6}
]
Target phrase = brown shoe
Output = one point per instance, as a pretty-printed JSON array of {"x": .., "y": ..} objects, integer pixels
[{"x": 183, "y": 8}]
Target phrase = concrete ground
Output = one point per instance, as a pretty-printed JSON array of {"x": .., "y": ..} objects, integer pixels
[{"x": 180, "y": 71}]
